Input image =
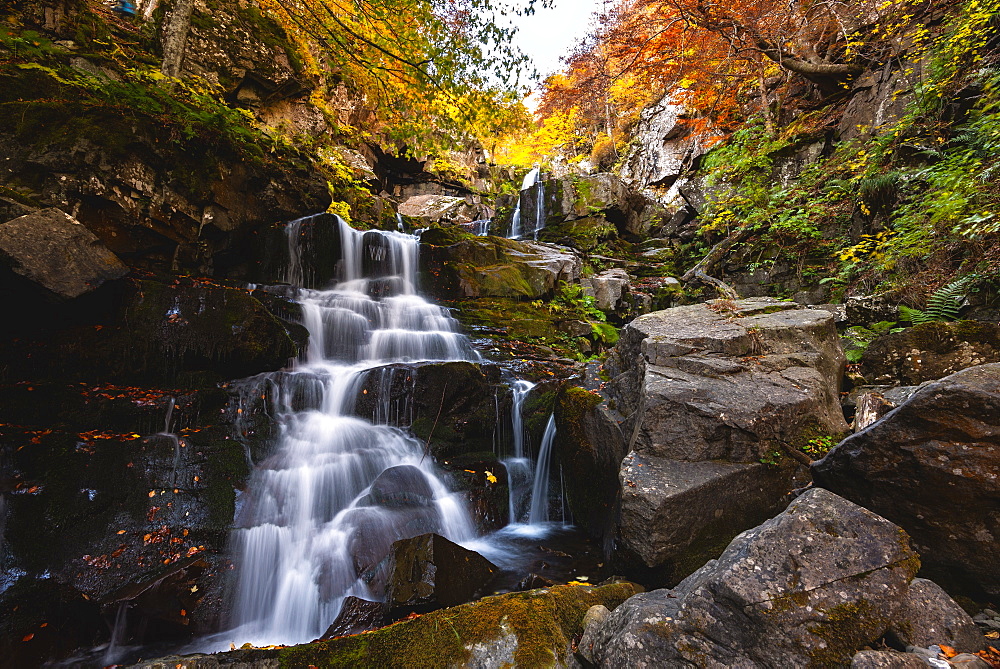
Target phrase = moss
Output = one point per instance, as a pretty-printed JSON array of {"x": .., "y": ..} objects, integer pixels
[{"x": 544, "y": 622}]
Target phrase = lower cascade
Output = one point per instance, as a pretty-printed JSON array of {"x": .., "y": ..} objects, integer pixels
[{"x": 322, "y": 512}]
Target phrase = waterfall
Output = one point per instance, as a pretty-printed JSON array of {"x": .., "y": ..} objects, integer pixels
[
  {"x": 517, "y": 230},
  {"x": 519, "y": 466},
  {"x": 540, "y": 490},
  {"x": 322, "y": 511}
]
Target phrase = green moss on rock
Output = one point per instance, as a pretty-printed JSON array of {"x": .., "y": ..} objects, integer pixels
[{"x": 543, "y": 622}]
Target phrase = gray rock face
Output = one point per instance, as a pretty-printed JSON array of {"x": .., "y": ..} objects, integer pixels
[
  {"x": 608, "y": 288},
  {"x": 675, "y": 515},
  {"x": 805, "y": 589},
  {"x": 730, "y": 381},
  {"x": 55, "y": 251},
  {"x": 665, "y": 147},
  {"x": 712, "y": 390},
  {"x": 932, "y": 466},
  {"x": 929, "y": 352},
  {"x": 437, "y": 208},
  {"x": 881, "y": 659},
  {"x": 930, "y": 617}
]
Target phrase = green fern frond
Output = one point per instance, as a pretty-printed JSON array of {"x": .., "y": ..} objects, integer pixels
[{"x": 944, "y": 305}]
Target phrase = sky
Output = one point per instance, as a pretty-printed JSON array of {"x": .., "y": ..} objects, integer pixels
[{"x": 550, "y": 33}]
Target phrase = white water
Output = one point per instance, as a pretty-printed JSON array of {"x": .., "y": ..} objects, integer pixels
[
  {"x": 517, "y": 229},
  {"x": 308, "y": 533},
  {"x": 519, "y": 469},
  {"x": 539, "y": 512}
]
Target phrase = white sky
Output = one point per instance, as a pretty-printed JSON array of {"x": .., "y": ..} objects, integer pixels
[{"x": 550, "y": 33}]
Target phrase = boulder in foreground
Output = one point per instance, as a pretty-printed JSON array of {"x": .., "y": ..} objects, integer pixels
[
  {"x": 805, "y": 589},
  {"x": 932, "y": 466}
]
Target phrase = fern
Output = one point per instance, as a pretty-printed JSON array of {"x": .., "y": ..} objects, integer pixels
[{"x": 944, "y": 305}]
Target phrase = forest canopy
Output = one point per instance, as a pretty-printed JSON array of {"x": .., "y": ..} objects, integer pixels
[{"x": 450, "y": 62}]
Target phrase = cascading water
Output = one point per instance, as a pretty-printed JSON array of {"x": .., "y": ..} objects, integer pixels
[
  {"x": 518, "y": 230},
  {"x": 322, "y": 512},
  {"x": 518, "y": 466},
  {"x": 539, "y": 512}
]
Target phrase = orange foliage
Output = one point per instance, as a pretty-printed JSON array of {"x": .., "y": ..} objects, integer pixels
[{"x": 723, "y": 59}]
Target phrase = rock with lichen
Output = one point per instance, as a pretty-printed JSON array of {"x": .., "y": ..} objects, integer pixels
[{"x": 807, "y": 588}]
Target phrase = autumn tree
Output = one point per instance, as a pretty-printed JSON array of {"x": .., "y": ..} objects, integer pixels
[
  {"x": 430, "y": 67},
  {"x": 721, "y": 58}
]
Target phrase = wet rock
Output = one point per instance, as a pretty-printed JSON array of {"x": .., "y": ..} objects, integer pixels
[
  {"x": 527, "y": 629},
  {"x": 402, "y": 485},
  {"x": 160, "y": 602},
  {"x": 375, "y": 529},
  {"x": 886, "y": 659},
  {"x": 806, "y": 588},
  {"x": 171, "y": 334},
  {"x": 929, "y": 616},
  {"x": 55, "y": 251},
  {"x": 482, "y": 479},
  {"x": 42, "y": 618},
  {"x": 495, "y": 267},
  {"x": 931, "y": 467},
  {"x": 930, "y": 351},
  {"x": 430, "y": 572},
  {"x": 590, "y": 446},
  {"x": 357, "y": 615}
]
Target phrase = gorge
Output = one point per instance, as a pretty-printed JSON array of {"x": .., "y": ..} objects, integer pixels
[{"x": 322, "y": 352}]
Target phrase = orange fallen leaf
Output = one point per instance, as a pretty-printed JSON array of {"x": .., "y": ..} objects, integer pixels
[
  {"x": 28, "y": 637},
  {"x": 948, "y": 651}
]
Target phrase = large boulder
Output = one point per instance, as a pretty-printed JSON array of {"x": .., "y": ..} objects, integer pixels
[
  {"x": 495, "y": 267},
  {"x": 728, "y": 380},
  {"x": 930, "y": 617},
  {"x": 707, "y": 395},
  {"x": 931, "y": 466},
  {"x": 55, "y": 251},
  {"x": 523, "y": 629},
  {"x": 675, "y": 515},
  {"x": 430, "y": 572},
  {"x": 929, "y": 352},
  {"x": 437, "y": 209},
  {"x": 807, "y": 588}
]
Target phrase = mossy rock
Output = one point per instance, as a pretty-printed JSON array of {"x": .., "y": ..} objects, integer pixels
[{"x": 524, "y": 629}]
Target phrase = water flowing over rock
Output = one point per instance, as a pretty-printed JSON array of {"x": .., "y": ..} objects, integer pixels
[
  {"x": 56, "y": 252},
  {"x": 805, "y": 589},
  {"x": 323, "y": 510},
  {"x": 931, "y": 466},
  {"x": 707, "y": 393}
]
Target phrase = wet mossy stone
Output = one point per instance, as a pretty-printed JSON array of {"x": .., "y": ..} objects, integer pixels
[
  {"x": 524, "y": 629},
  {"x": 430, "y": 572},
  {"x": 43, "y": 619},
  {"x": 403, "y": 485}
]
